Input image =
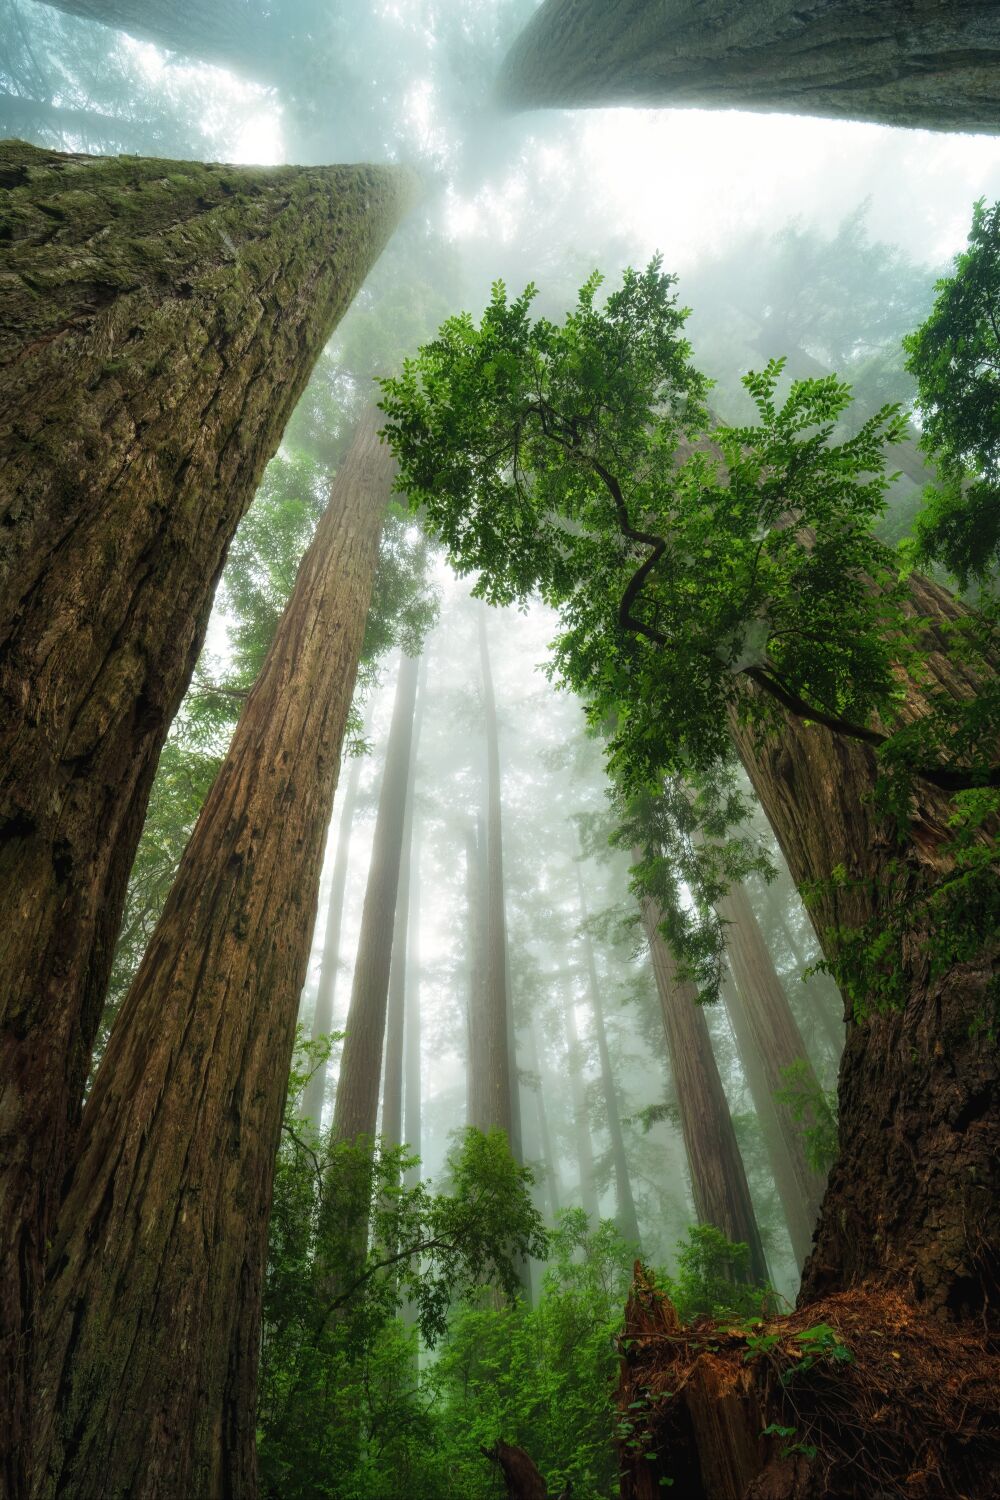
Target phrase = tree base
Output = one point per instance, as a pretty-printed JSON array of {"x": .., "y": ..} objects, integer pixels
[{"x": 857, "y": 1396}]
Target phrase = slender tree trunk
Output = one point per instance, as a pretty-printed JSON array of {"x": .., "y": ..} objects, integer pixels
[
  {"x": 21, "y": 115},
  {"x": 314, "y": 1097},
  {"x": 549, "y": 1169},
  {"x": 355, "y": 1110},
  {"x": 496, "y": 1106},
  {"x": 628, "y": 1221},
  {"x": 718, "y": 1177},
  {"x": 914, "y": 1198},
  {"x": 769, "y": 1042},
  {"x": 478, "y": 1069},
  {"x": 152, "y": 1322},
  {"x": 160, "y": 321},
  {"x": 411, "y": 1064},
  {"x": 917, "y": 63},
  {"x": 392, "y": 1087},
  {"x": 581, "y": 1114},
  {"x": 828, "y": 998}
]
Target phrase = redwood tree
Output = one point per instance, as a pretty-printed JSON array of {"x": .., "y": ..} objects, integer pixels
[
  {"x": 355, "y": 1110},
  {"x": 159, "y": 322},
  {"x": 152, "y": 1315},
  {"x": 895, "y": 62},
  {"x": 718, "y": 1177}
]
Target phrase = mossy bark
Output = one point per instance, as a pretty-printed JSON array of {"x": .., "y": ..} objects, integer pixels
[
  {"x": 898, "y": 62},
  {"x": 147, "y": 1370},
  {"x": 913, "y": 1200},
  {"x": 718, "y": 1177},
  {"x": 159, "y": 322}
]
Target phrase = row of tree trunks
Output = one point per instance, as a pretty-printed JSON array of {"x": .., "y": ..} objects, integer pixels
[
  {"x": 913, "y": 1200},
  {"x": 147, "y": 1374},
  {"x": 159, "y": 322},
  {"x": 355, "y": 1110},
  {"x": 628, "y": 1222},
  {"x": 769, "y": 1043},
  {"x": 898, "y": 62},
  {"x": 396, "y": 1018},
  {"x": 314, "y": 1094},
  {"x": 718, "y": 1177}
]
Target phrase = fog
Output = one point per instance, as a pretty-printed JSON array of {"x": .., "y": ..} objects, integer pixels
[{"x": 734, "y": 202}]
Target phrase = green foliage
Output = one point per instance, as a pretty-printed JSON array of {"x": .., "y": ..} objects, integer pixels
[
  {"x": 698, "y": 577},
  {"x": 713, "y": 1278},
  {"x": 955, "y": 357},
  {"x": 341, "y": 1410},
  {"x": 815, "y": 1109}
]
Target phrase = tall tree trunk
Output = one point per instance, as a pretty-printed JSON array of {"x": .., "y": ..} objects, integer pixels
[
  {"x": 581, "y": 1114},
  {"x": 477, "y": 1070},
  {"x": 914, "y": 1198},
  {"x": 769, "y": 1042},
  {"x": 628, "y": 1221},
  {"x": 160, "y": 321},
  {"x": 718, "y": 1178},
  {"x": 355, "y": 1110},
  {"x": 392, "y": 1087},
  {"x": 496, "y": 1104},
  {"x": 314, "y": 1096},
  {"x": 895, "y": 62},
  {"x": 411, "y": 1062},
  {"x": 549, "y": 1168},
  {"x": 152, "y": 1316},
  {"x": 20, "y": 115},
  {"x": 229, "y": 33}
]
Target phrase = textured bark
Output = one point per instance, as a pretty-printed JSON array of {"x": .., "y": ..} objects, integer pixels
[
  {"x": 159, "y": 322},
  {"x": 314, "y": 1095},
  {"x": 521, "y": 1478},
  {"x": 628, "y": 1221},
  {"x": 718, "y": 1178},
  {"x": 392, "y": 1085},
  {"x": 494, "y": 1108},
  {"x": 152, "y": 1326},
  {"x": 899, "y": 62},
  {"x": 355, "y": 1110},
  {"x": 914, "y": 1198},
  {"x": 769, "y": 1042}
]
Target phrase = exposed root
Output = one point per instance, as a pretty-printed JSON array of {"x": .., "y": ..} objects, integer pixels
[{"x": 857, "y": 1396}]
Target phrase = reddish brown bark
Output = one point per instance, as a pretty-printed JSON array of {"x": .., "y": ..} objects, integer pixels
[
  {"x": 153, "y": 1306},
  {"x": 910, "y": 1408},
  {"x": 914, "y": 1198},
  {"x": 718, "y": 1178},
  {"x": 159, "y": 322},
  {"x": 355, "y": 1110},
  {"x": 522, "y": 1481}
]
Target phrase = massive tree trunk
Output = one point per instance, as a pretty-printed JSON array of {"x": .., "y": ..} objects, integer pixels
[
  {"x": 769, "y": 1042},
  {"x": 581, "y": 1114},
  {"x": 314, "y": 1095},
  {"x": 899, "y": 62},
  {"x": 494, "y": 1107},
  {"x": 628, "y": 1221},
  {"x": 914, "y": 1198},
  {"x": 392, "y": 1085},
  {"x": 152, "y": 1314},
  {"x": 355, "y": 1110},
  {"x": 238, "y": 34},
  {"x": 718, "y": 1178},
  {"x": 159, "y": 322}
]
